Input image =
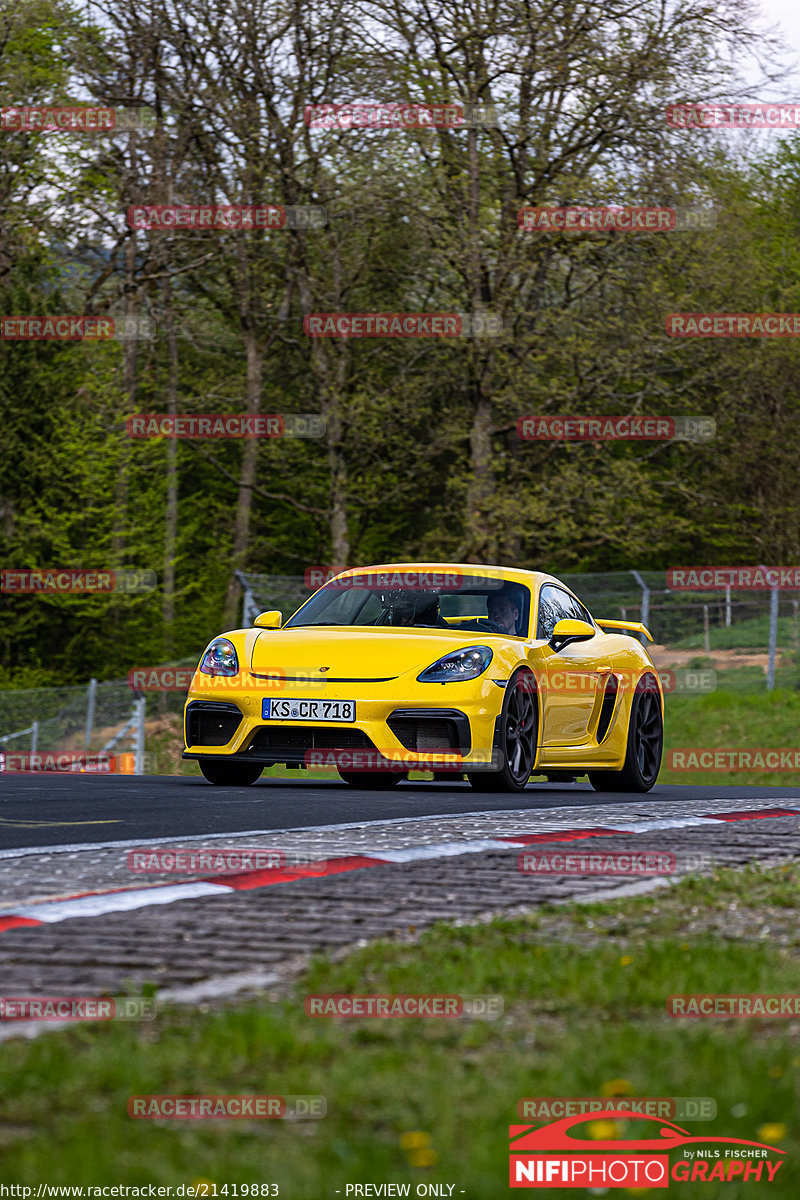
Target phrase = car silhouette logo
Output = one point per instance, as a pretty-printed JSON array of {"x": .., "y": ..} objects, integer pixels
[{"x": 555, "y": 1136}]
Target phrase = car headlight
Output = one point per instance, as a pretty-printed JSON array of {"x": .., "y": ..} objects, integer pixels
[
  {"x": 458, "y": 666},
  {"x": 220, "y": 658}
]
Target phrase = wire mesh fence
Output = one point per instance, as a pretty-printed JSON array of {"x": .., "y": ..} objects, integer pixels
[
  {"x": 732, "y": 622},
  {"x": 92, "y": 722}
]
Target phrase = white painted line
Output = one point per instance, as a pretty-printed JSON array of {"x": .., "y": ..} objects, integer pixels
[
  {"x": 553, "y": 823},
  {"x": 187, "y": 838},
  {"x": 640, "y": 888},
  {"x": 670, "y": 823},
  {"x": 217, "y": 987},
  {"x": 437, "y": 850},
  {"x": 49, "y": 912}
]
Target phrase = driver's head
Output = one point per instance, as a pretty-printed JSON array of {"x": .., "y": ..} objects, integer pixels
[{"x": 503, "y": 610}]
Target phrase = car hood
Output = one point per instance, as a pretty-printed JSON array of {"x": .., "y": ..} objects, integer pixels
[{"x": 351, "y": 654}]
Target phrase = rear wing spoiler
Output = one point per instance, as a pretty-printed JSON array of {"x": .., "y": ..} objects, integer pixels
[{"x": 635, "y": 626}]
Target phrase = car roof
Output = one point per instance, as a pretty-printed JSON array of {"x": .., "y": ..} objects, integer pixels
[{"x": 512, "y": 574}]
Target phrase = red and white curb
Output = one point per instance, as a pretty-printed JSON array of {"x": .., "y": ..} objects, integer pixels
[{"x": 94, "y": 904}]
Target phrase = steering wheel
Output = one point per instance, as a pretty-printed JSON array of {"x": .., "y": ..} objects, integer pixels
[{"x": 484, "y": 623}]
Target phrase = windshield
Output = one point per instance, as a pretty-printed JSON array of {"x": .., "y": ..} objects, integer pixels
[{"x": 432, "y": 600}]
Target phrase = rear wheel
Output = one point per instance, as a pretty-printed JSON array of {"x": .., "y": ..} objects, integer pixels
[
  {"x": 231, "y": 774},
  {"x": 517, "y": 738},
  {"x": 378, "y": 781},
  {"x": 645, "y": 745}
]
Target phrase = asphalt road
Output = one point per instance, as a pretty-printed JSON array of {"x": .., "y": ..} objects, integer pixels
[{"x": 58, "y": 810}]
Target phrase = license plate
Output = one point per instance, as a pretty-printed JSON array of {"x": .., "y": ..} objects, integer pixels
[{"x": 275, "y": 709}]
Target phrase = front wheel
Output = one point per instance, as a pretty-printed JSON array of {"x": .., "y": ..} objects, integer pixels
[
  {"x": 517, "y": 738},
  {"x": 231, "y": 774},
  {"x": 645, "y": 745},
  {"x": 376, "y": 781}
]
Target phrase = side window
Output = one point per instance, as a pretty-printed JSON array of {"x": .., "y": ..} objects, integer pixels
[
  {"x": 578, "y": 612},
  {"x": 554, "y": 606}
]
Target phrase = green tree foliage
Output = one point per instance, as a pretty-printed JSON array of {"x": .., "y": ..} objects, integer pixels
[{"x": 421, "y": 455}]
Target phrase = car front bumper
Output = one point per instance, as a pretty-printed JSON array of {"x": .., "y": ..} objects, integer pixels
[{"x": 429, "y": 729}]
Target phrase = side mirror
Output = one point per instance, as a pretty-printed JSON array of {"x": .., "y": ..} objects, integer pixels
[
  {"x": 570, "y": 631},
  {"x": 269, "y": 620}
]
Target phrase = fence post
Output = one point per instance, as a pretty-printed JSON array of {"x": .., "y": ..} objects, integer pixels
[
  {"x": 706, "y": 633},
  {"x": 138, "y": 752},
  {"x": 645, "y": 602},
  {"x": 34, "y": 736},
  {"x": 773, "y": 637},
  {"x": 728, "y": 607},
  {"x": 248, "y": 603},
  {"x": 90, "y": 710}
]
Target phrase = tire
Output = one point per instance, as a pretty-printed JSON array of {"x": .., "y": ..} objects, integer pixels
[
  {"x": 645, "y": 745},
  {"x": 517, "y": 737},
  {"x": 231, "y": 774},
  {"x": 376, "y": 781}
]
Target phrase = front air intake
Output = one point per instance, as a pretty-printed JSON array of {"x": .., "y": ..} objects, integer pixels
[{"x": 211, "y": 723}]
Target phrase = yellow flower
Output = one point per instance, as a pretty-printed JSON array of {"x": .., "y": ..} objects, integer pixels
[
  {"x": 415, "y": 1140},
  {"x": 617, "y": 1087},
  {"x": 423, "y": 1158},
  {"x": 203, "y": 1187},
  {"x": 774, "y": 1132},
  {"x": 684, "y": 946},
  {"x": 775, "y": 1072},
  {"x": 602, "y": 1130},
  {"x": 625, "y": 961}
]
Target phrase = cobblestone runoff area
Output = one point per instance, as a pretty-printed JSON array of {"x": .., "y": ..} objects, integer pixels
[{"x": 232, "y": 941}]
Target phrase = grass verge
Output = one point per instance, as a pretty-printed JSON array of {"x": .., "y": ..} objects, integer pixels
[{"x": 429, "y": 1101}]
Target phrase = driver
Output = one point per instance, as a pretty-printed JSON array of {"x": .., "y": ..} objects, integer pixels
[{"x": 503, "y": 610}]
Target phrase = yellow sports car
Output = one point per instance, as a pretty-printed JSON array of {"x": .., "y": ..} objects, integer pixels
[{"x": 489, "y": 672}]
